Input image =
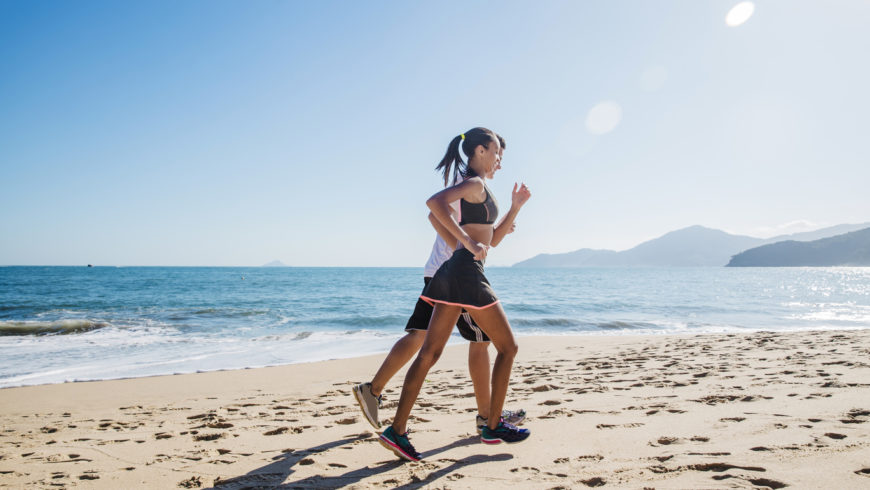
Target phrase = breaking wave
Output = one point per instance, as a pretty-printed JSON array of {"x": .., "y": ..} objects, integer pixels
[{"x": 59, "y": 327}]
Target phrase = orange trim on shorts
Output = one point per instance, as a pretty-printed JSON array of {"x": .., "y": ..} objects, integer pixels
[{"x": 431, "y": 301}]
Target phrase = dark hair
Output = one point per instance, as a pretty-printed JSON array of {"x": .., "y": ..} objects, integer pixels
[
  {"x": 452, "y": 162},
  {"x": 500, "y": 141}
]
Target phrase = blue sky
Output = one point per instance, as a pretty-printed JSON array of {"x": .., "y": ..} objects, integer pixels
[{"x": 236, "y": 133}]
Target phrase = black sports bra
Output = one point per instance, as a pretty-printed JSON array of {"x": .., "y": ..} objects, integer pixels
[{"x": 479, "y": 212}]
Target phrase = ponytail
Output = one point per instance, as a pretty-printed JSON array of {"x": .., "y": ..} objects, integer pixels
[{"x": 452, "y": 163}]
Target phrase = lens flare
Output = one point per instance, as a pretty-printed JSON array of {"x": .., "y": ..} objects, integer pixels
[
  {"x": 604, "y": 117},
  {"x": 739, "y": 14}
]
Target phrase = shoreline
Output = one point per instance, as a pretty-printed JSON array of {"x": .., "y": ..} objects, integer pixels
[
  {"x": 454, "y": 341},
  {"x": 660, "y": 411}
]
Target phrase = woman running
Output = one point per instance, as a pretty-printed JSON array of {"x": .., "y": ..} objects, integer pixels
[
  {"x": 368, "y": 395},
  {"x": 459, "y": 283}
]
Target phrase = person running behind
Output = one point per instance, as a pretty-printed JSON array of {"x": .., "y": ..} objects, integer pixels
[{"x": 459, "y": 283}]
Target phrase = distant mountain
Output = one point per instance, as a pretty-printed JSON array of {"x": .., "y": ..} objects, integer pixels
[
  {"x": 809, "y": 236},
  {"x": 850, "y": 249},
  {"x": 692, "y": 246},
  {"x": 275, "y": 263}
]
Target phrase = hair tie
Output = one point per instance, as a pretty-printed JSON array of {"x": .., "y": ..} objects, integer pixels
[{"x": 462, "y": 135}]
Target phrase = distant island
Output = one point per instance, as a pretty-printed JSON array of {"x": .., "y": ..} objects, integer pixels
[
  {"x": 695, "y": 246},
  {"x": 275, "y": 263},
  {"x": 850, "y": 249}
]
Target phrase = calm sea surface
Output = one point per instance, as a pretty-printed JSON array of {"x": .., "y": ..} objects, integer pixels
[{"x": 77, "y": 323}]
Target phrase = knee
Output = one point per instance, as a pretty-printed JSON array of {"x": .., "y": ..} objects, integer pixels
[
  {"x": 417, "y": 337},
  {"x": 428, "y": 357},
  {"x": 508, "y": 349}
]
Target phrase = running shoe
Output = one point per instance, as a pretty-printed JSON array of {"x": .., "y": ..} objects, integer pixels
[
  {"x": 399, "y": 444},
  {"x": 509, "y": 416},
  {"x": 514, "y": 417},
  {"x": 503, "y": 433},
  {"x": 368, "y": 403}
]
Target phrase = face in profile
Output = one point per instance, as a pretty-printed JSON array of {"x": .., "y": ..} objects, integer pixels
[{"x": 491, "y": 159}]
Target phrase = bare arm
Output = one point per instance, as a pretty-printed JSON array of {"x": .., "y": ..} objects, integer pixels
[
  {"x": 445, "y": 235},
  {"x": 439, "y": 205},
  {"x": 510, "y": 230},
  {"x": 519, "y": 197}
]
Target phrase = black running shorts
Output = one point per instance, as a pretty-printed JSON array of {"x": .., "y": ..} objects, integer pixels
[{"x": 423, "y": 312}]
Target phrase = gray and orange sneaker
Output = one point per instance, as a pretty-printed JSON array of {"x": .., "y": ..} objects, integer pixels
[
  {"x": 368, "y": 403},
  {"x": 399, "y": 444}
]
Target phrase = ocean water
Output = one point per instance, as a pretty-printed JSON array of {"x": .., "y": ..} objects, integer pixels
[{"x": 62, "y": 324}]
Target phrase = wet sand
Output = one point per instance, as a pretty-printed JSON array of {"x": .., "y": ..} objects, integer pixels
[{"x": 752, "y": 410}]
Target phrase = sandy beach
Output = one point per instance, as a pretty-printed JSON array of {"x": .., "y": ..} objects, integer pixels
[{"x": 751, "y": 410}]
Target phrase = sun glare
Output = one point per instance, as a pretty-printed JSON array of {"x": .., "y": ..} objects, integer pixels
[
  {"x": 739, "y": 14},
  {"x": 604, "y": 117}
]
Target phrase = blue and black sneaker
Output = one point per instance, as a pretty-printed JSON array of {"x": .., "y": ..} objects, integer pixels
[
  {"x": 399, "y": 444},
  {"x": 509, "y": 416},
  {"x": 505, "y": 432}
]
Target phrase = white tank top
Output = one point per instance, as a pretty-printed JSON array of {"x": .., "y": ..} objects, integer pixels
[{"x": 440, "y": 250}]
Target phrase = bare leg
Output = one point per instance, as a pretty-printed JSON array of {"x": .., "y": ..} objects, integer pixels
[
  {"x": 494, "y": 324},
  {"x": 402, "y": 352},
  {"x": 478, "y": 368},
  {"x": 443, "y": 319}
]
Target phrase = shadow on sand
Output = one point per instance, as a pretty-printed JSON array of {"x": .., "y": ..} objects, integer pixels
[{"x": 275, "y": 475}]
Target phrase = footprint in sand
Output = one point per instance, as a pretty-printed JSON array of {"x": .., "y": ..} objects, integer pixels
[
  {"x": 542, "y": 388},
  {"x": 590, "y": 457},
  {"x": 856, "y": 416},
  {"x": 192, "y": 482},
  {"x": 209, "y": 437},
  {"x": 627, "y": 426},
  {"x": 202, "y": 416},
  {"x": 667, "y": 441},
  {"x": 758, "y": 482},
  {"x": 281, "y": 430},
  {"x": 555, "y": 413}
]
